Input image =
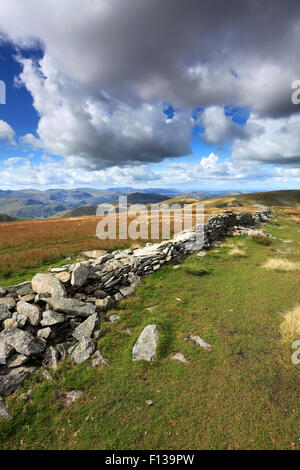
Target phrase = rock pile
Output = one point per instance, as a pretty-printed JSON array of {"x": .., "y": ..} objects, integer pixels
[{"x": 56, "y": 314}]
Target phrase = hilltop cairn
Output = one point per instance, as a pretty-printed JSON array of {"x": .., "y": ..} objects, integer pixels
[{"x": 56, "y": 314}]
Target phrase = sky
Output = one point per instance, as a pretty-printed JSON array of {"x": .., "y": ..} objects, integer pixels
[{"x": 188, "y": 95}]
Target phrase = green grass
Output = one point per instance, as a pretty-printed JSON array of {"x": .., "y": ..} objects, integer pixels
[{"x": 242, "y": 395}]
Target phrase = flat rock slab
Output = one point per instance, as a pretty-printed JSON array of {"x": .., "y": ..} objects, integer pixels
[
  {"x": 46, "y": 283},
  {"x": 145, "y": 347},
  {"x": 10, "y": 383},
  {"x": 32, "y": 312},
  {"x": 71, "y": 306}
]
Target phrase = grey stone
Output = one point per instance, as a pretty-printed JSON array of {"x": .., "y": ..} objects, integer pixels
[
  {"x": 79, "y": 274},
  {"x": 16, "y": 360},
  {"x": 145, "y": 347},
  {"x": 44, "y": 333},
  {"x": 4, "y": 412},
  {"x": 24, "y": 288},
  {"x": 33, "y": 312},
  {"x": 2, "y": 291},
  {"x": 52, "y": 318},
  {"x": 8, "y": 302},
  {"x": 94, "y": 254},
  {"x": 46, "y": 283},
  {"x": 85, "y": 329},
  {"x": 20, "y": 318},
  {"x": 62, "y": 349},
  {"x": 200, "y": 342},
  {"x": 114, "y": 318},
  {"x": 22, "y": 341},
  {"x": 5, "y": 313},
  {"x": 70, "y": 397},
  {"x": 46, "y": 375},
  {"x": 72, "y": 306},
  {"x": 105, "y": 304},
  {"x": 179, "y": 357},
  {"x": 83, "y": 350},
  {"x": 50, "y": 357},
  {"x": 127, "y": 291},
  {"x": 10, "y": 383}
]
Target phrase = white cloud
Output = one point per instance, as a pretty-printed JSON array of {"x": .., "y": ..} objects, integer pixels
[
  {"x": 219, "y": 128},
  {"x": 270, "y": 140},
  {"x": 7, "y": 133}
]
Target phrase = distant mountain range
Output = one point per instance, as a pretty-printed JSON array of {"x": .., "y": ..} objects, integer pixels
[{"x": 35, "y": 204}]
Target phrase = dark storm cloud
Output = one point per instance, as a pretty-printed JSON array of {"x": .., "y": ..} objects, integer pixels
[{"x": 106, "y": 62}]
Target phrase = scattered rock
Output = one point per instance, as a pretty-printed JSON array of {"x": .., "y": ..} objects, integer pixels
[
  {"x": 114, "y": 318},
  {"x": 46, "y": 375},
  {"x": 4, "y": 412},
  {"x": 9, "y": 383},
  {"x": 179, "y": 357},
  {"x": 46, "y": 283},
  {"x": 200, "y": 342},
  {"x": 70, "y": 397},
  {"x": 98, "y": 360},
  {"x": 149, "y": 402},
  {"x": 201, "y": 254},
  {"x": 151, "y": 308},
  {"x": 177, "y": 266},
  {"x": 145, "y": 347}
]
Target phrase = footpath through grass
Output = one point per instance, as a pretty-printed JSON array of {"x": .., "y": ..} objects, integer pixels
[{"x": 242, "y": 395}]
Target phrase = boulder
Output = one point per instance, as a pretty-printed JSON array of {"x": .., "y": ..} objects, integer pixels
[
  {"x": 85, "y": 329},
  {"x": 145, "y": 347},
  {"x": 22, "y": 341},
  {"x": 72, "y": 306},
  {"x": 32, "y": 312},
  {"x": 127, "y": 291},
  {"x": 51, "y": 357},
  {"x": 46, "y": 283},
  {"x": 79, "y": 274},
  {"x": 83, "y": 350}
]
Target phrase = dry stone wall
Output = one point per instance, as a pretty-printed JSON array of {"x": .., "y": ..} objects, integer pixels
[{"x": 55, "y": 315}]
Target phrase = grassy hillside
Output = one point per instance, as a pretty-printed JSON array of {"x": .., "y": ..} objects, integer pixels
[
  {"x": 244, "y": 394},
  {"x": 7, "y": 218},
  {"x": 283, "y": 198}
]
